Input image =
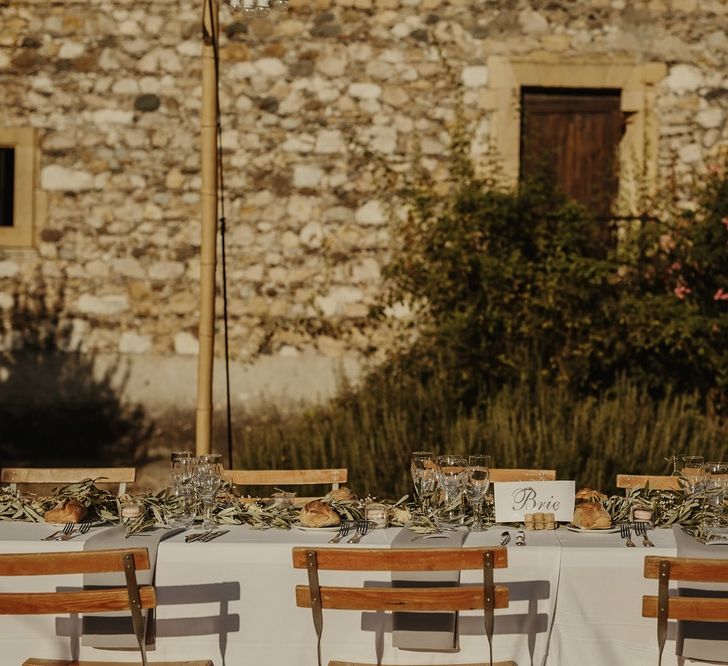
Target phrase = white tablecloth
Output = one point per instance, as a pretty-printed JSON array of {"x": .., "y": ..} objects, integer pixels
[{"x": 576, "y": 599}]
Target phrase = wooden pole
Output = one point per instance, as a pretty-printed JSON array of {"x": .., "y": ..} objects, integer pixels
[{"x": 208, "y": 248}]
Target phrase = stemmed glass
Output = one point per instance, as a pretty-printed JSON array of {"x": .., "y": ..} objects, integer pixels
[
  {"x": 422, "y": 469},
  {"x": 477, "y": 481},
  {"x": 206, "y": 480},
  {"x": 451, "y": 472},
  {"x": 692, "y": 470},
  {"x": 182, "y": 469},
  {"x": 716, "y": 482}
]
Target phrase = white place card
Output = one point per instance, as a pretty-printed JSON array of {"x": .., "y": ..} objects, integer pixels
[{"x": 513, "y": 500}]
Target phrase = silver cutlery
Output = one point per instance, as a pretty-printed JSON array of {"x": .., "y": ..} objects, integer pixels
[
  {"x": 640, "y": 529},
  {"x": 428, "y": 536},
  {"x": 344, "y": 529},
  {"x": 520, "y": 538},
  {"x": 197, "y": 536},
  {"x": 626, "y": 533},
  {"x": 362, "y": 527},
  {"x": 66, "y": 529},
  {"x": 213, "y": 535},
  {"x": 505, "y": 538},
  {"x": 83, "y": 528}
]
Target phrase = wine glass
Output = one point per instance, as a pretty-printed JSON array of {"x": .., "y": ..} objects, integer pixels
[
  {"x": 692, "y": 470},
  {"x": 477, "y": 481},
  {"x": 206, "y": 481},
  {"x": 451, "y": 472},
  {"x": 422, "y": 469},
  {"x": 715, "y": 478},
  {"x": 182, "y": 466}
]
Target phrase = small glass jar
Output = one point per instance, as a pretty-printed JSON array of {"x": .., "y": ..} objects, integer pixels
[
  {"x": 377, "y": 515},
  {"x": 283, "y": 499},
  {"x": 130, "y": 512}
]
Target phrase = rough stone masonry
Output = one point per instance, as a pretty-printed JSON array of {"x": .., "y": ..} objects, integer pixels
[{"x": 113, "y": 90}]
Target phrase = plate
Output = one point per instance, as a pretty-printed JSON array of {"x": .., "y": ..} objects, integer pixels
[
  {"x": 304, "y": 528},
  {"x": 582, "y": 530}
]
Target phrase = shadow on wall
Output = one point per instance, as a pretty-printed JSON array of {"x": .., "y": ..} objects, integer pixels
[{"x": 53, "y": 408}]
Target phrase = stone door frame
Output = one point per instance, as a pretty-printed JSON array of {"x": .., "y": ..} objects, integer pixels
[{"x": 637, "y": 82}]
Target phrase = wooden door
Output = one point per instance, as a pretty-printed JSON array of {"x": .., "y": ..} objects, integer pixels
[{"x": 574, "y": 134}]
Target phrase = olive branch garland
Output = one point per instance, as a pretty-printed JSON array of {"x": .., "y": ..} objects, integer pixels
[{"x": 692, "y": 511}]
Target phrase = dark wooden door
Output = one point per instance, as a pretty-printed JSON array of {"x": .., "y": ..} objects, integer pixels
[{"x": 574, "y": 134}]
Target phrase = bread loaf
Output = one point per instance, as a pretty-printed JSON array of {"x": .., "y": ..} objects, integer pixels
[
  {"x": 591, "y": 516},
  {"x": 68, "y": 511},
  {"x": 341, "y": 494},
  {"x": 318, "y": 514}
]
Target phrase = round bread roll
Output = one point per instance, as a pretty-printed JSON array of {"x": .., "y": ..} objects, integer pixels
[
  {"x": 68, "y": 511},
  {"x": 341, "y": 494},
  {"x": 591, "y": 516},
  {"x": 318, "y": 514}
]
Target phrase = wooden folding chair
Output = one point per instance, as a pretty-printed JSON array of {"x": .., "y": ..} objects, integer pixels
[
  {"x": 665, "y": 607},
  {"x": 66, "y": 475},
  {"x": 133, "y": 597},
  {"x": 277, "y": 478},
  {"x": 635, "y": 481},
  {"x": 512, "y": 474},
  {"x": 487, "y": 597}
]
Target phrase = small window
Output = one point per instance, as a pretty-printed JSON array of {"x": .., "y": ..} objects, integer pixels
[
  {"x": 7, "y": 182},
  {"x": 19, "y": 195}
]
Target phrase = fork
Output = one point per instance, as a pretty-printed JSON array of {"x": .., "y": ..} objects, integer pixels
[
  {"x": 626, "y": 533},
  {"x": 67, "y": 529},
  {"x": 343, "y": 531},
  {"x": 362, "y": 527},
  {"x": 640, "y": 529},
  {"x": 83, "y": 528},
  {"x": 197, "y": 536}
]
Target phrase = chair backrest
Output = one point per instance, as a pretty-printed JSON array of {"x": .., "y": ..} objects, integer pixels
[
  {"x": 634, "y": 481},
  {"x": 664, "y": 607},
  {"x": 512, "y": 474},
  {"x": 59, "y": 475},
  {"x": 437, "y": 598},
  {"x": 286, "y": 477},
  {"x": 132, "y": 598}
]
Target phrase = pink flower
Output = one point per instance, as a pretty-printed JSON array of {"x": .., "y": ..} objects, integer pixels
[
  {"x": 681, "y": 291},
  {"x": 724, "y": 221},
  {"x": 720, "y": 295}
]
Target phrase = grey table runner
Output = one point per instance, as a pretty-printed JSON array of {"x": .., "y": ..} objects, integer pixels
[
  {"x": 426, "y": 631},
  {"x": 701, "y": 640},
  {"x": 114, "y": 630}
]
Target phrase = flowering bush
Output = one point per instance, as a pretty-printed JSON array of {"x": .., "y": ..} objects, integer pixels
[{"x": 515, "y": 283}]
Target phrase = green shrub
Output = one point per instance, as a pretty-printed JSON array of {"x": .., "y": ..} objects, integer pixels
[{"x": 591, "y": 439}]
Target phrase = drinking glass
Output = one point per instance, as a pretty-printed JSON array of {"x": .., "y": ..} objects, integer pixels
[
  {"x": 206, "y": 480},
  {"x": 692, "y": 470},
  {"x": 422, "y": 469},
  {"x": 182, "y": 469},
  {"x": 715, "y": 479},
  {"x": 451, "y": 473},
  {"x": 477, "y": 481}
]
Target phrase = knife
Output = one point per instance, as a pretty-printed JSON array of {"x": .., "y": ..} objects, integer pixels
[
  {"x": 505, "y": 538},
  {"x": 214, "y": 535}
]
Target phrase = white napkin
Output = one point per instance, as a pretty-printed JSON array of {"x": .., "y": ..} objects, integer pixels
[{"x": 426, "y": 631}]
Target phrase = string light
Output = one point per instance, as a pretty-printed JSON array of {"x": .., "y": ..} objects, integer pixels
[{"x": 258, "y": 6}]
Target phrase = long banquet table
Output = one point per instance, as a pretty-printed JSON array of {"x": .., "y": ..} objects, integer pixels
[{"x": 575, "y": 600}]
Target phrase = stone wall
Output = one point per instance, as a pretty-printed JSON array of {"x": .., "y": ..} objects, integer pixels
[{"x": 113, "y": 89}]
